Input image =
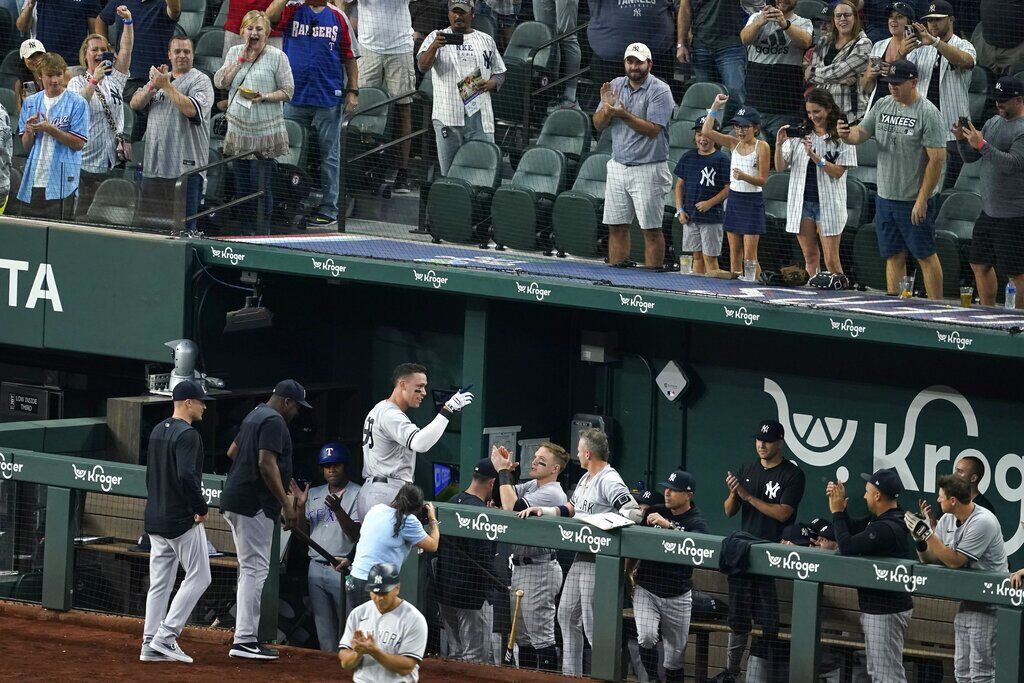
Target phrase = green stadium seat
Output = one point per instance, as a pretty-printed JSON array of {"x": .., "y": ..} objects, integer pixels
[
  {"x": 958, "y": 214},
  {"x": 812, "y": 10},
  {"x": 569, "y": 132},
  {"x": 297, "y": 144},
  {"x": 776, "y": 194},
  {"x": 10, "y": 71},
  {"x": 866, "y": 169},
  {"x": 858, "y": 202},
  {"x": 577, "y": 217},
  {"x": 508, "y": 102},
  {"x": 209, "y": 51},
  {"x": 521, "y": 210},
  {"x": 482, "y": 22},
  {"x": 969, "y": 179},
  {"x": 190, "y": 21},
  {"x": 696, "y": 101},
  {"x": 373, "y": 124},
  {"x": 604, "y": 142},
  {"x": 680, "y": 140},
  {"x": 868, "y": 263},
  {"x": 218, "y": 22},
  {"x": 114, "y": 203},
  {"x": 458, "y": 204},
  {"x": 977, "y": 95},
  {"x": 947, "y": 246}
]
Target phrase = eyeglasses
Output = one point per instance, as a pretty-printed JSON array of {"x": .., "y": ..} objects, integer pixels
[{"x": 843, "y": 16}]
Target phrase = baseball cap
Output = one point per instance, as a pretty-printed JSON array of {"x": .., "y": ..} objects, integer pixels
[
  {"x": 648, "y": 497},
  {"x": 904, "y": 8},
  {"x": 747, "y": 116},
  {"x": 770, "y": 430},
  {"x": 680, "y": 480},
  {"x": 699, "y": 123},
  {"x": 901, "y": 71},
  {"x": 31, "y": 47},
  {"x": 1007, "y": 88},
  {"x": 638, "y": 50},
  {"x": 464, "y": 5},
  {"x": 485, "y": 468},
  {"x": 939, "y": 9},
  {"x": 796, "y": 534},
  {"x": 289, "y": 388},
  {"x": 887, "y": 481},
  {"x": 190, "y": 389},
  {"x": 820, "y": 527}
]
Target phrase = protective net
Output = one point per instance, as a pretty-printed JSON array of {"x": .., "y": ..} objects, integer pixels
[{"x": 23, "y": 524}]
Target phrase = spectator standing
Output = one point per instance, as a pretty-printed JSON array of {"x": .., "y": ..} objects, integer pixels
[
  {"x": 259, "y": 77},
  {"x": 998, "y": 37},
  {"x": 180, "y": 139},
  {"x": 702, "y": 184},
  {"x": 911, "y": 154},
  {"x": 456, "y": 117},
  {"x": 839, "y": 59},
  {"x": 998, "y": 148},
  {"x": 776, "y": 39},
  {"x": 102, "y": 87},
  {"x": 708, "y": 36},
  {"x": 614, "y": 26},
  {"x": 638, "y": 108},
  {"x": 427, "y": 16},
  {"x": 26, "y": 19},
  {"x": 62, "y": 25},
  {"x": 744, "y": 220},
  {"x": 973, "y": 470},
  {"x": 6, "y": 151},
  {"x": 54, "y": 127},
  {"x": 816, "y": 203},
  {"x": 237, "y": 11},
  {"x": 886, "y": 51},
  {"x": 884, "y": 615},
  {"x": 878, "y": 12},
  {"x": 561, "y": 16},
  {"x": 967, "y": 536},
  {"x": 28, "y": 82}
]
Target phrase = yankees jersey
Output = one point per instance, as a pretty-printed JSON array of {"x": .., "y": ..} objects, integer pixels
[
  {"x": 828, "y": 192},
  {"x": 662, "y": 578},
  {"x": 387, "y": 443},
  {"x": 782, "y": 484},
  {"x": 323, "y": 525},
  {"x": 402, "y": 631},
  {"x": 452, "y": 65},
  {"x": 602, "y": 492},
  {"x": 703, "y": 176},
  {"x": 531, "y": 495}
]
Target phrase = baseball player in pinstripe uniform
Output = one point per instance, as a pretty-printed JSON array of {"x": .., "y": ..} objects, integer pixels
[
  {"x": 600, "y": 489},
  {"x": 535, "y": 571},
  {"x": 391, "y": 440}
]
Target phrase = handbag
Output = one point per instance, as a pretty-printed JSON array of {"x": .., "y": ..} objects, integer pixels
[{"x": 122, "y": 146}]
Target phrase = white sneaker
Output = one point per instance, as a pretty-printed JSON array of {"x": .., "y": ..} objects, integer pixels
[
  {"x": 148, "y": 654},
  {"x": 170, "y": 649}
]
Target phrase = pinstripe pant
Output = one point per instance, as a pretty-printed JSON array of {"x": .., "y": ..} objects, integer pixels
[
  {"x": 975, "y": 637},
  {"x": 576, "y": 615},
  {"x": 883, "y": 645},
  {"x": 673, "y": 617}
]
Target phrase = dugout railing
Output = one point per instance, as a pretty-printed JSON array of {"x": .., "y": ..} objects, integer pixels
[{"x": 810, "y": 571}]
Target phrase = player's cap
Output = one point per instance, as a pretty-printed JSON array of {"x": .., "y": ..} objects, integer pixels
[
  {"x": 1007, "y": 88},
  {"x": 939, "y": 9},
  {"x": 31, "y": 47},
  {"x": 464, "y": 5},
  {"x": 485, "y": 468},
  {"x": 333, "y": 453},
  {"x": 820, "y": 527},
  {"x": 904, "y": 8},
  {"x": 770, "y": 430},
  {"x": 648, "y": 497},
  {"x": 638, "y": 50},
  {"x": 901, "y": 71},
  {"x": 382, "y": 578},
  {"x": 699, "y": 123},
  {"x": 680, "y": 480},
  {"x": 190, "y": 389},
  {"x": 796, "y": 534},
  {"x": 289, "y": 388},
  {"x": 886, "y": 480},
  {"x": 747, "y": 116}
]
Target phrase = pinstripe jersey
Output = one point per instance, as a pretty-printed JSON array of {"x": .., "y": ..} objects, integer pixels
[
  {"x": 387, "y": 443},
  {"x": 954, "y": 84},
  {"x": 831, "y": 191}
]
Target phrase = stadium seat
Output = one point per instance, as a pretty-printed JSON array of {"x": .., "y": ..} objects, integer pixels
[
  {"x": 866, "y": 169},
  {"x": 568, "y": 131},
  {"x": 858, "y": 202},
  {"x": 697, "y": 100},
  {"x": 114, "y": 203},
  {"x": 209, "y": 51},
  {"x": 977, "y": 95},
  {"x": 10, "y": 103},
  {"x": 521, "y": 210},
  {"x": 969, "y": 179},
  {"x": 577, "y": 218},
  {"x": 680, "y": 140},
  {"x": 482, "y": 22},
  {"x": 375, "y": 123},
  {"x": 604, "y": 142},
  {"x": 427, "y": 86},
  {"x": 776, "y": 193},
  {"x": 13, "y": 205},
  {"x": 812, "y": 10},
  {"x": 867, "y": 262},
  {"x": 458, "y": 204},
  {"x": 10, "y": 71},
  {"x": 297, "y": 144},
  {"x": 947, "y": 246},
  {"x": 508, "y": 102},
  {"x": 191, "y": 19},
  {"x": 958, "y": 214},
  {"x": 218, "y": 22},
  {"x": 138, "y": 153}
]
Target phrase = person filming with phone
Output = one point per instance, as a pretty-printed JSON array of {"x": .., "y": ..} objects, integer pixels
[{"x": 886, "y": 51}]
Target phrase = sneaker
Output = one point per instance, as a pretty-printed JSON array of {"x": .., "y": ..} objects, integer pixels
[
  {"x": 321, "y": 220},
  {"x": 148, "y": 654},
  {"x": 170, "y": 649},
  {"x": 563, "y": 103},
  {"x": 401, "y": 184},
  {"x": 252, "y": 651}
]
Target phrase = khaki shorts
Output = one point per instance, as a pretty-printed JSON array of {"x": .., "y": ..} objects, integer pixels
[
  {"x": 636, "y": 191},
  {"x": 396, "y": 72}
]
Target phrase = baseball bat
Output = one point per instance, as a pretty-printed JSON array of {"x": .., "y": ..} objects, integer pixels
[
  {"x": 315, "y": 546},
  {"x": 510, "y": 647}
]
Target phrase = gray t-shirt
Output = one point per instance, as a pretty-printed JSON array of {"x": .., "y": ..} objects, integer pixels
[
  {"x": 323, "y": 525},
  {"x": 903, "y": 133},
  {"x": 176, "y": 144},
  {"x": 604, "y": 492},
  {"x": 387, "y": 441},
  {"x": 402, "y": 631},
  {"x": 979, "y": 538},
  {"x": 548, "y": 495},
  {"x": 652, "y": 102},
  {"x": 1002, "y": 161}
]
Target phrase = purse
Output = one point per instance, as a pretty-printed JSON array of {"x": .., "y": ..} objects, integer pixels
[{"x": 122, "y": 146}]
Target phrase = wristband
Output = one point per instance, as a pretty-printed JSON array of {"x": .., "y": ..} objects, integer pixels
[
  {"x": 922, "y": 546},
  {"x": 678, "y": 211},
  {"x": 444, "y": 411},
  {"x": 92, "y": 81},
  {"x": 563, "y": 510},
  {"x": 983, "y": 145},
  {"x": 505, "y": 478},
  {"x": 127, "y": 22},
  {"x": 713, "y": 114},
  {"x": 789, "y": 24},
  {"x": 821, "y": 163},
  {"x": 151, "y": 86},
  {"x": 241, "y": 60}
]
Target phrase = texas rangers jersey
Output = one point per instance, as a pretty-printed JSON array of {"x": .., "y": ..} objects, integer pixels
[
  {"x": 387, "y": 443},
  {"x": 402, "y": 631},
  {"x": 602, "y": 492},
  {"x": 548, "y": 495},
  {"x": 323, "y": 525}
]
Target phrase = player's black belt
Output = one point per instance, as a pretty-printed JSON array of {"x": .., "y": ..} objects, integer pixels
[
  {"x": 539, "y": 559},
  {"x": 384, "y": 480},
  {"x": 323, "y": 562}
]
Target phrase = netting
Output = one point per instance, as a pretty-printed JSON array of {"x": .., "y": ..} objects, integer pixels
[{"x": 23, "y": 524}]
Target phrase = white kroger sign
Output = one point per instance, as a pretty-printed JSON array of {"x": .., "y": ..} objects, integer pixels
[
  {"x": 430, "y": 278},
  {"x": 97, "y": 476},
  {"x": 687, "y": 548},
  {"x": 328, "y": 266},
  {"x": 482, "y": 523},
  {"x": 849, "y": 326},
  {"x": 793, "y": 562},
  {"x": 1005, "y": 590},
  {"x": 954, "y": 339},
  {"x": 636, "y": 302},
  {"x": 44, "y": 286},
  {"x": 901, "y": 576},
  {"x": 210, "y": 495},
  {"x": 585, "y": 536},
  {"x": 742, "y": 315},
  {"x": 8, "y": 468},
  {"x": 534, "y": 289},
  {"x": 227, "y": 254}
]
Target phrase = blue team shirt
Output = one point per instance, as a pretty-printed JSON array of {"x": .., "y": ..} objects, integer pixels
[
  {"x": 316, "y": 44},
  {"x": 71, "y": 114},
  {"x": 703, "y": 178}
]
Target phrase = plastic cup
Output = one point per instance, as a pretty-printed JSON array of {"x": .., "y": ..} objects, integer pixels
[
  {"x": 749, "y": 270},
  {"x": 686, "y": 264},
  {"x": 966, "y": 295},
  {"x": 907, "y": 286}
]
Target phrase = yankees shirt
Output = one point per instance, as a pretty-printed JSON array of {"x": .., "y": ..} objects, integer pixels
[
  {"x": 904, "y": 133},
  {"x": 402, "y": 631},
  {"x": 531, "y": 495},
  {"x": 782, "y": 484},
  {"x": 662, "y": 578},
  {"x": 323, "y": 525},
  {"x": 830, "y": 193},
  {"x": 883, "y": 536},
  {"x": 387, "y": 439},
  {"x": 452, "y": 64},
  {"x": 602, "y": 492},
  {"x": 703, "y": 176}
]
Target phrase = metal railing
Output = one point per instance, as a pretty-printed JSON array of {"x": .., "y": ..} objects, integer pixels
[
  {"x": 530, "y": 94},
  {"x": 181, "y": 217}
]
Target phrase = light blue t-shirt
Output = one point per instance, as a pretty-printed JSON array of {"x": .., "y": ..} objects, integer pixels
[
  {"x": 69, "y": 113},
  {"x": 378, "y": 542}
]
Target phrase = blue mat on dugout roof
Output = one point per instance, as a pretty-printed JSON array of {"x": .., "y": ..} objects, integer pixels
[{"x": 599, "y": 273}]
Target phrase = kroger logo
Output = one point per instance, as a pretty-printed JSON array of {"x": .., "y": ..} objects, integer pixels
[
  {"x": 534, "y": 289},
  {"x": 636, "y": 302},
  {"x": 954, "y": 339},
  {"x": 847, "y": 326},
  {"x": 742, "y": 315},
  {"x": 793, "y": 562},
  {"x": 482, "y": 523},
  {"x": 8, "y": 468},
  {"x": 900, "y": 575},
  {"x": 585, "y": 536},
  {"x": 688, "y": 549},
  {"x": 430, "y": 278},
  {"x": 97, "y": 476},
  {"x": 211, "y": 495},
  {"x": 1005, "y": 590},
  {"x": 227, "y": 254},
  {"x": 328, "y": 266}
]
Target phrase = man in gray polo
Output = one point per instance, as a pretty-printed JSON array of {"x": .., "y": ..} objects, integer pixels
[
  {"x": 638, "y": 107},
  {"x": 177, "y": 138}
]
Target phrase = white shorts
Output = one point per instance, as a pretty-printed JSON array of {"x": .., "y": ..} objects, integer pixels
[
  {"x": 636, "y": 192},
  {"x": 703, "y": 237},
  {"x": 396, "y": 72},
  {"x": 232, "y": 39}
]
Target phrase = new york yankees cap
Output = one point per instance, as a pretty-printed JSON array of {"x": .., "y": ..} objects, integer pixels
[
  {"x": 769, "y": 431},
  {"x": 939, "y": 9},
  {"x": 904, "y": 8},
  {"x": 190, "y": 389},
  {"x": 289, "y": 388},
  {"x": 699, "y": 123},
  {"x": 901, "y": 71},
  {"x": 648, "y": 497},
  {"x": 382, "y": 577},
  {"x": 464, "y": 5},
  {"x": 1007, "y": 88},
  {"x": 638, "y": 50},
  {"x": 747, "y": 116},
  {"x": 680, "y": 480},
  {"x": 885, "y": 480},
  {"x": 796, "y": 534}
]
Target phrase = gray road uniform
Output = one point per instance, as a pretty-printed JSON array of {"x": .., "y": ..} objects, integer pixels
[
  {"x": 325, "y": 589},
  {"x": 402, "y": 631}
]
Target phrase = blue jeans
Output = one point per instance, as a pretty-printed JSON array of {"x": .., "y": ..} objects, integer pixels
[
  {"x": 729, "y": 64},
  {"x": 450, "y": 138},
  {"x": 327, "y": 122},
  {"x": 247, "y": 181}
]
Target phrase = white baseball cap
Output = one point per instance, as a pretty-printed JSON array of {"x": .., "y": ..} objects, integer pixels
[
  {"x": 31, "y": 47},
  {"x": 638, "y": 50}
]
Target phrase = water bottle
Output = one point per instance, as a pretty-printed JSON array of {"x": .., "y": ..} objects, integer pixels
[{"x": 1011, "y": 294}]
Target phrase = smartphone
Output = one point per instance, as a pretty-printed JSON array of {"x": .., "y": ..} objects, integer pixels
[
  {"x": 29, "y": 88},
  {"x": 909, "y": 31},
  {"x": 109, "y": 58},
  {"x": 964, "y": 122},
  {"x": 454, "y": 38}
]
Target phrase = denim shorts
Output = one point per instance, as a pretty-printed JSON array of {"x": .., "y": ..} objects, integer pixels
[{"x": 811, "y": 210}]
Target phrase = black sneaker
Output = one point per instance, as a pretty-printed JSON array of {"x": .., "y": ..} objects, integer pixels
[
  {"x": 252, "y": 651},
  {"x": 401, "y": 184},
  {"x": 320, "y": 220}
]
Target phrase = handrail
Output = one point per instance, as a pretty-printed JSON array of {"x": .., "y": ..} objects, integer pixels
[
  {"x": 181, "y": 193},
  {"x": 528, "y": 99}
]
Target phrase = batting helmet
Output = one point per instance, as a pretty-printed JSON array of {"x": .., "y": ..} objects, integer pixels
[
  {"x": 332, "y": 453},
  {"x": 382, "y": 578}
]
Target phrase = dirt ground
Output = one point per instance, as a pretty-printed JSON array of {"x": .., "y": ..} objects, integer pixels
[{"x": 40, "y": 644}]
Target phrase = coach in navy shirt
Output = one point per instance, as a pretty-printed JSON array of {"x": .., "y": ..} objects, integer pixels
[{"x": 62, "y": 25}]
